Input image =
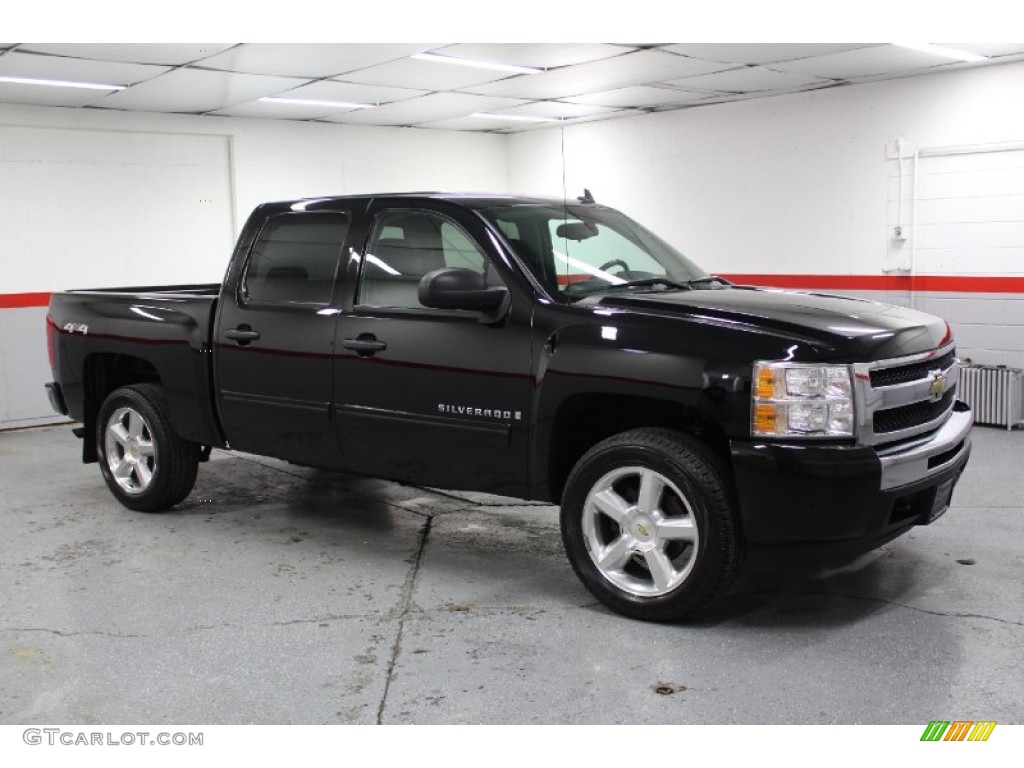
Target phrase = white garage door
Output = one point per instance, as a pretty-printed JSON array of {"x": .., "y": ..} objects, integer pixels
[
  {"x": 970, "y": 234},
  {"x": 83, "y": 208},
  {"x": 970, "y": 214}
]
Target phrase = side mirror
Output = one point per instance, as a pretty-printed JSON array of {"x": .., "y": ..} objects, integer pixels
[{"x": 455, "y": 288}]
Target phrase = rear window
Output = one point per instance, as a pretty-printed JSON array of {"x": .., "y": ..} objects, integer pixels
[{"x": 295, "y": 258}]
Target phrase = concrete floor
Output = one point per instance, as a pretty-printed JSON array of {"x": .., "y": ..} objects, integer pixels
[{"x": 280, "y": 595}]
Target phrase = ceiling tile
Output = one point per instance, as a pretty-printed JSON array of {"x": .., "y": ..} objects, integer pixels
[
  {"x": 471, "y": 123},
  {"x": 173, "y": 54},
  {"x": 436, "y": 106},
  {"x": 586, "y": 119},
  {"x": 554, "y": 109},
  {"x": 605, "y": 116},
  {"x": 864, "y": 62},
  {"x": 428, "y": 75},
  {"x": 280, "y": 111},
  {"x": 311, "y": 59},
  {"x": 332, "y": 90},
  {"x": 639, "y": 96},
  {"x": 44, "y": 96},
  {"x": 581, "y": 81},
  {"x": 760, "y": 53},
  {"x": 192, "y": 90},
  {"x": 540, "y": 55},
  {"x": 719, "y": 98},
  {"x": 17, "y": 64},
  {"x": 637, "y": 68},
  {"x": 746, "y": 80},
  {"x": 988, "y": 49}
]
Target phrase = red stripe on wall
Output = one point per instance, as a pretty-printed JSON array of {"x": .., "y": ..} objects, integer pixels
[
  {"x": 19, "y": 300},
  {"x": 928, "y": 283},
  {"x": 932, "y": 283}
]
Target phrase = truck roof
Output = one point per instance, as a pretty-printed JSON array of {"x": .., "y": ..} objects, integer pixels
[{"x": 467, "y": 199}]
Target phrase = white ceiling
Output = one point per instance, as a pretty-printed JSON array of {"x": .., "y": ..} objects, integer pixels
[{"x": 577, "y": 82}]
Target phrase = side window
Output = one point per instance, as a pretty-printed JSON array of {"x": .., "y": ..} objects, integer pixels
[
  {"x": 295, "y": 258},
  {"x": 406, "y": 245},
  {"x": 459, "y": 250}
]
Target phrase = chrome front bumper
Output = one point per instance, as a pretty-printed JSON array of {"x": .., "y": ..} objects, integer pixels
[{"x": 911, "y": 463}]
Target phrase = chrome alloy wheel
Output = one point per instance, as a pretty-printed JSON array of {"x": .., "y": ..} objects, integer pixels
[
  {"x": 130, "y": 453},
  {"x": 640, "y": 531}
]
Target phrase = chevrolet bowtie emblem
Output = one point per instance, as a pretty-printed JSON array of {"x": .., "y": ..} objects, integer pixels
[{"x": 938, "y": 386}]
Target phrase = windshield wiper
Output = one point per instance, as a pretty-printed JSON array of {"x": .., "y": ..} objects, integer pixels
[
  {"x": 708, "y": 279},
  {"x": 644, "y": 282}
]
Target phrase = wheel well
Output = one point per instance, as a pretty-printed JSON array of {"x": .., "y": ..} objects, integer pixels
[
  {"x": 103, "y": 374},
  {"x": 585, "y": 420}
]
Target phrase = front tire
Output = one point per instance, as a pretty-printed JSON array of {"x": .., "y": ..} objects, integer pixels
[
  {"x": 145, "y": 464},
  {"x": 649, "y": 524}
]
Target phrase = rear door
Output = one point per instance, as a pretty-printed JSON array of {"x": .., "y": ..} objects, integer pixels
[
  {"x": 426, "y": 395},
  {"x": 275, "y": 338}
]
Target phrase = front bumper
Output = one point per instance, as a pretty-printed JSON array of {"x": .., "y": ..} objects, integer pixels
[{"x": 851, "y": 497}]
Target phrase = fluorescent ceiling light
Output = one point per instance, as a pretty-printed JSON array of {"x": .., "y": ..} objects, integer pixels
[
  {"x": 317, "y": 102},
  {"x": 62, "y": 83},
  {"x": 948, "y": 53},
  {"x": 441, "y": 59},
  {"x": 520, "y": 118}
]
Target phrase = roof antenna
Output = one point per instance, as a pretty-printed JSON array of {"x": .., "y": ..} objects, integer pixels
[{"x": 587, "y": 198}]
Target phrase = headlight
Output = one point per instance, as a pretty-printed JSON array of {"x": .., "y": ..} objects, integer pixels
[{"x": 801, "y": 400}]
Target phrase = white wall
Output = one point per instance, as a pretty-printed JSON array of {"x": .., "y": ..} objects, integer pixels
[
  {"x": 83, "y": 208},
  {"x": 800, "y": 184},
  {"x": 805, "y": 184},
  {"x": 754, "y": 186},
  {"x": 140, "y": 177},
  {"x": 98, "y": 198}
]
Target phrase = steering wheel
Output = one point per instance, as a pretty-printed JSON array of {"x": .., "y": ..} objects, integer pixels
[{"x": 625, "y": 267}]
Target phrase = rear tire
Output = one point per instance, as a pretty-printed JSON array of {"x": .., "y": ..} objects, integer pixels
[
  {"x": 650, "y": 526},
  {"x": 145, "y": 464}
]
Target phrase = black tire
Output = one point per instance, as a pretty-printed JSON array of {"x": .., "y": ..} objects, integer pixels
[
  {"x": 149, "y": 471},
  {"x": 671, "y": 495}
]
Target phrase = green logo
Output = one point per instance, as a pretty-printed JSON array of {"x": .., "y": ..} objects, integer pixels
[{"x": 958, "y": 730}]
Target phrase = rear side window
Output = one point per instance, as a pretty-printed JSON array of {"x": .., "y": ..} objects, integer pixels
[{"x": 295, "y": 258}]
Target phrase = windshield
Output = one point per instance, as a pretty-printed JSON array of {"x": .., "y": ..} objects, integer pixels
[{"x": 576, "y": 250}]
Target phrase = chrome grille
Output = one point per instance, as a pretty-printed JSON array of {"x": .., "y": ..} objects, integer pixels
[
  {"x": 901, "y": 374},
  {"x": 905, "y": 397},
  {"x": 907, "y": 416}
]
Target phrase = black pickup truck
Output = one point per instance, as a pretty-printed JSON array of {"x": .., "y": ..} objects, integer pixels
[{"x": 532, "y": 348}]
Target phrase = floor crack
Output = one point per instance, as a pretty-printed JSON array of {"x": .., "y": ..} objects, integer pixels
[
  {"x": 402, "y": 613},
  {"x": 457, "y": 497},
  {"x": 59, "y": 633}
]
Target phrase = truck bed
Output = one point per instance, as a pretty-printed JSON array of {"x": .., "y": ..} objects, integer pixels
[
  {"x": 191, "y": 289},
  {"x": 104, "y": 335}
]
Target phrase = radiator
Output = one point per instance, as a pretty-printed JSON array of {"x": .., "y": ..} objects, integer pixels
[{"x": 995, "y": 394}]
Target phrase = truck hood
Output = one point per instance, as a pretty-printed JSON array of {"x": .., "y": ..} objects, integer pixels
[{"x": 837, "y": 326}]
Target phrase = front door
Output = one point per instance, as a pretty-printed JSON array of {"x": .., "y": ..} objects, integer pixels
[{"x": 425, "y": 395}]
